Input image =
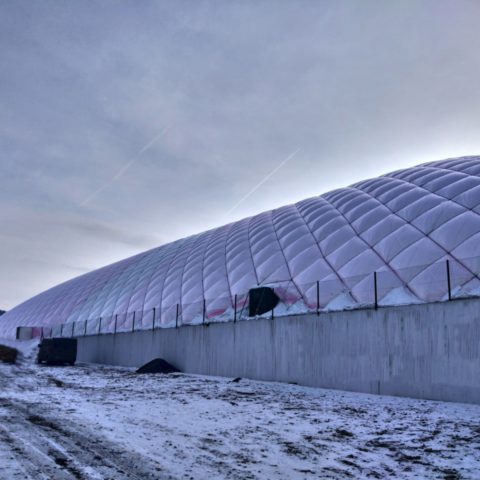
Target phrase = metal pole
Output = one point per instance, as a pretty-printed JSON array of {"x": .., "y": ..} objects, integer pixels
[
  {"x": 133, "y": 322},
  {"x": 73, "y": 329},
  {"x": 204, "y": 308},
  {"x": 99, "y": 325},
  {"x": 85, "y": 330},
  {"x": 318, "y": 298},
  {"x": 449, "y": 281},
  {"x": 115, "y": 325},
  {"x": 153, "y": 324},
  {"x": 235, "y": 310},
  {"x": 176, "y": 318},
  {"x": 61, "y": 329},
  {"x": 375, "y": 288}
]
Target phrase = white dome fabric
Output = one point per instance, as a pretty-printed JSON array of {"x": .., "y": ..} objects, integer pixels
[{"x": 403, "y": 225}]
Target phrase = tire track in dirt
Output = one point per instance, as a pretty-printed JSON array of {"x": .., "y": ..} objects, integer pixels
[{"x": 47, "y": 448}]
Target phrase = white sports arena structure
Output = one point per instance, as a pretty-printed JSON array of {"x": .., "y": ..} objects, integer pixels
[{"x": 404, "y": 226}]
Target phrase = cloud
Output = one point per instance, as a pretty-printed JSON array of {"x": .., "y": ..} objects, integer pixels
[
  {"x": 109, "y": 233},
  {"x": 125, "y": 167},
  {"x": 263, "y": 180},
  {"x": 363, "y": 88}
]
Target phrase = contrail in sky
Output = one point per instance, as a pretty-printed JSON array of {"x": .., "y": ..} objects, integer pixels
[
  {"x": 254, "y": 189},
  {"x": 125, "y": 167}
]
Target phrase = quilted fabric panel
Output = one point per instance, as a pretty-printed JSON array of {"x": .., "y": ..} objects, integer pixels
[{"x": 404, "y": 226}]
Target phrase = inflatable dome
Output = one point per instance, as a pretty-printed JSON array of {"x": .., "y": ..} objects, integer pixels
[{"x": 411, "y": 236}]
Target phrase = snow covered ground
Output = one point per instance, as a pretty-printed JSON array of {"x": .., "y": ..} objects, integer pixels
[{"x": 94, "y": 422}]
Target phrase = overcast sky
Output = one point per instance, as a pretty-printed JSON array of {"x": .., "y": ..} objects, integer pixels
[{"x": 124, "y": 125}]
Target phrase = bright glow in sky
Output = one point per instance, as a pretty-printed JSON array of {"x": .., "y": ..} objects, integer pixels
[{"x": 124, "y": 125}]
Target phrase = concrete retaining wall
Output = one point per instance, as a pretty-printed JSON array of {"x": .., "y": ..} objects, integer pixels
[
  {"x": 24, "y": 333},
  {"x": 429, "y": 351}
]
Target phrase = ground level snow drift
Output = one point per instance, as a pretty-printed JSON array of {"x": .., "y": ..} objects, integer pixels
[{"x": 109, "y": 423}]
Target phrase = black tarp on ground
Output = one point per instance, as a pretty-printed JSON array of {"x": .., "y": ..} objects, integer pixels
[
  {"x": 8, "y": 354},
  {"x": 158, "y": 365}
]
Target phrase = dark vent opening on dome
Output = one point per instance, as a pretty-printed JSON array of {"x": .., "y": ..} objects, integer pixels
[{"x": 262, "y": 300}]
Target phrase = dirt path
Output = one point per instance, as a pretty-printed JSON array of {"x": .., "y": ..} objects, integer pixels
[
  {"x": 99, "y": 423},
  {"x": 39, "y": 446}
]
